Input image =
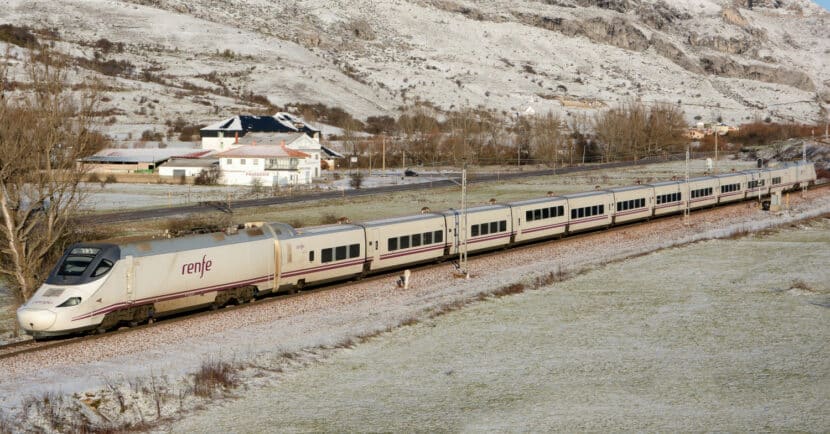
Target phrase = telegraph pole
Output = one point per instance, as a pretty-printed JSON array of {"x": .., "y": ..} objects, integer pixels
[
  {"x": 688, "y": 192},
  {"x": 462, "y": 248}
]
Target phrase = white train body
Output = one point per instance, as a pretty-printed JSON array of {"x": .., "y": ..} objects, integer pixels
[{"x": 99, "y": 285}]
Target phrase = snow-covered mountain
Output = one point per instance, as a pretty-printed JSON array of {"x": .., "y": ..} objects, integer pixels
[{"x": 208, "y": 59}]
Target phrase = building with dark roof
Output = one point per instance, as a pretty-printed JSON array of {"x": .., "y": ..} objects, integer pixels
[{"x": 225, "y": 134}]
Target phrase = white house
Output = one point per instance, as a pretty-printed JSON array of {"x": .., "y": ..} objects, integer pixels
[
  {"x": 297, "y": 141},
  {"x": 270, "y": 164}
]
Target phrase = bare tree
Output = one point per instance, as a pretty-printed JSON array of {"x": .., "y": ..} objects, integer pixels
[
  {"x": 44, "y": 130},
  {"x": 548, "y": 138}
]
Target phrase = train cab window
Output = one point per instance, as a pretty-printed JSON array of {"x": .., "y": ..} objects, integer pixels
[
  {"x": 392, "y": 244},
  {"x": 427, "y": 237},
  {"x": 326, "y": 255},
  {"x": 311, "y": 256},
  {"x": 354, "y": 250},
  {"x": 102, "y": 268},
  {"x": 416, "y": 240},
  {"x": 439, "y": 236},
  {"x": 404, "y": 242},
  {"x": 77, "y": 261}
]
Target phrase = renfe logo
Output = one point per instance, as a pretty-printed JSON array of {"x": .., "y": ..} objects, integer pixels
[{"x": 197, "y": 267}]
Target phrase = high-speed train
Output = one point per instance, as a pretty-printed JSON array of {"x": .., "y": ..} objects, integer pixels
[{"x": 98, "y": 286}]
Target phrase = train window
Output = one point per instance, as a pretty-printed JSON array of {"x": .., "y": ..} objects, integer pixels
[
  {"x": 545, "y": 213},
  {"x": 561, "y": 210},
  {"x": 537, "y": 214},
  {"x": 340, "y": 253},
  {"x": 503, "y": 226},
  {"x": 439, "y": 236},
  {"x": 602, "y": 209},
  {"x": 427, "y": 237},
  {"x": 494, "y": 227},
  {"x": 102, "y": 268},
  {"x": 474, "y": 230},
  {"x": 392, "y": 244},
  {"x": 529, "y": 215},
  {"x": 354, "y": 250},
  {"x": 580, "y": 212},
  {"x": 311, "y": 256},
  {"x": 573, "y": 214},
  {"x": 594, "y": 210},
  {"x": 77, "y": 261},
  {"x": 485, "y": 229},
  {"x": 404, "y": 242},
  {"x": 326, "y": 255},
  {"x": 416, "y": 240}
]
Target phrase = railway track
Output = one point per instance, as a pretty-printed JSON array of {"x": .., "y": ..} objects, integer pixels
[{"x": 28, "y": 346}]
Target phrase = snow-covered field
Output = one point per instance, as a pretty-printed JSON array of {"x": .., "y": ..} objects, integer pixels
[{"x": 716, "y": 335}]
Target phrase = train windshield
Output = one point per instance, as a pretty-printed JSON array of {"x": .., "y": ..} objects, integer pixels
[{"x": 77, "y": 261}]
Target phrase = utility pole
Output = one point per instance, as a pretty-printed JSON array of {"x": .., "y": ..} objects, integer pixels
[
  {"x": 462, "y": 248},
  {"x": 715, "y": 171},
  {"x": 686, "y": 219},
  {"x": 383, "y": 155}
]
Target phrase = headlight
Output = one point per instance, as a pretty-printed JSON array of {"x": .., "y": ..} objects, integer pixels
[{"x": 71, "y": 301}]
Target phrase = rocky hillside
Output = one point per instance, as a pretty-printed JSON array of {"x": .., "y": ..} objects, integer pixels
[{"x": 207, "y": 59}]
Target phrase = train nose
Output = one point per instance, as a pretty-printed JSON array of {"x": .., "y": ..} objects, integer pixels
[{"x": 35, "y": 319}]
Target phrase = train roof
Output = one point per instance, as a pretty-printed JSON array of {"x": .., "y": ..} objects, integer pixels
[
  {"x": 192, "y": 242},
  {"x": 629, "y": 188},
  {"x": 327, "y": 229},
  {"x": 403, "y": 219},
  {"x": 664, "y": 183},
  {"x": 585, "y": 194},
  {"x": 730, "y": 174},
  {"x": 480, "y": 208},
  {"x": 537, "y": 201}
]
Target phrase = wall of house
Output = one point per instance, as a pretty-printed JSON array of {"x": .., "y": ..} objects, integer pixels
[{"x": 237, "y": 173}]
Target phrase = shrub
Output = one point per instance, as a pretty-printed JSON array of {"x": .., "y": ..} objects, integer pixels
[
  {"x": 151, "y": 135},
  {"x": 214, "y": 375},
  {"x": 20, "y": 36},
  {"x": 328, "y": 219},
  {"x": 209, "y": 176},
  {"x": 356, "y": 180}
]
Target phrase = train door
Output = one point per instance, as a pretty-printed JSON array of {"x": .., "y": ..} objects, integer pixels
[
  {"x": 373, "y": 248},
  {"x": 277, "y": 264},
  {"x": 456, "y": 232}
]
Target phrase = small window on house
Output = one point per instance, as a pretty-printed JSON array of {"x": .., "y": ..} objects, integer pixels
[
  {"x": 242, "y": 161},
  {"x": 340, "y": 253},
  {"x": 255, "y": 161},
  {"x": 229, "y": 161}
]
